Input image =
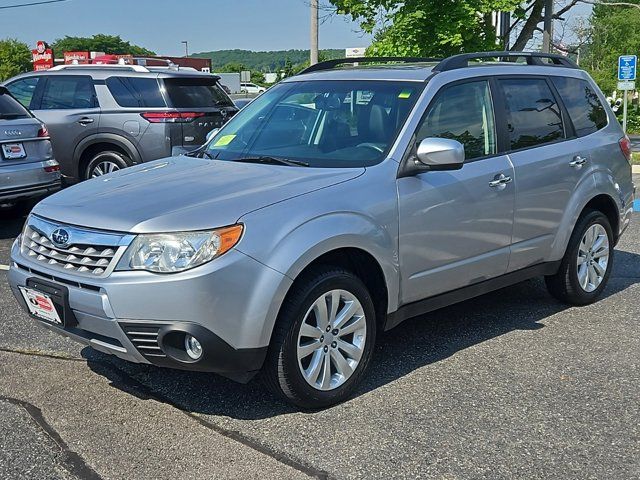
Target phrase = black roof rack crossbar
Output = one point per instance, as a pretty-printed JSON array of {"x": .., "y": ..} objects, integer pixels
[
  {"x": 532, "y": 58},
  {"x": 329, "y": 64}
]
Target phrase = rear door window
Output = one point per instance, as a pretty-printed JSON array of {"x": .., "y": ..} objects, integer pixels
[
  {"x": 68, "y": 92},
  {"x": 533, "y": 114},
  {"x": 196, "y": 93},
  {"x": 136, "y": 92},
  {"x": 10, "y": 108},
  {"x": 24, "y": 89},
  {"x": 585, "y": 109}
]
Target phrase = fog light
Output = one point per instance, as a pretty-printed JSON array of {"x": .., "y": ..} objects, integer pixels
[{"x": 193, "y": 347}]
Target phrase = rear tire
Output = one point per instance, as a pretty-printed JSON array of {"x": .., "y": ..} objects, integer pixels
[
  {"x": 314, "y": 364},
  {"x": 587, "y": 262},
  {"x": 106, "y": 162}
]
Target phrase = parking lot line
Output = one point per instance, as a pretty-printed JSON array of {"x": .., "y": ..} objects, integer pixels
[{"x": 4, "y": 267}]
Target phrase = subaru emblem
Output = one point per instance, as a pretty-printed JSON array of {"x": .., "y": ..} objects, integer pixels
[{"x": 60, "y": 237}]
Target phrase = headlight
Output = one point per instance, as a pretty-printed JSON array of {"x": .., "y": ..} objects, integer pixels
[{"x": 176, "y": 252}]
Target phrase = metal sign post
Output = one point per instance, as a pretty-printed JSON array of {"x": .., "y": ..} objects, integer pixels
[{"x": 626, "y": 81}]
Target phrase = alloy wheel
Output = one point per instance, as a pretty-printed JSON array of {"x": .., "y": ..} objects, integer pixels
[
  {"x": 331, "y": 340},
  {"x": 593, "y": 257},
  {"x": 103, "y": 168}
]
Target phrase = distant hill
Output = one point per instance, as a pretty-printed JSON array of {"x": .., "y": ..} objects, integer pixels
[{"x": 263, "y": 61}]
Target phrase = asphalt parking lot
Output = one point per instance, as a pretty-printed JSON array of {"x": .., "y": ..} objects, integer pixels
[{"x": 508, "y": 385}]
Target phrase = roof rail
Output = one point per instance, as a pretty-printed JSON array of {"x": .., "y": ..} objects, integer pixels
[
  {"x": 169, "y": 64},
  {"x": 532, "y": 58},
  {"x": 329, "y": 64},
  {"x": 98, "y": 66}
]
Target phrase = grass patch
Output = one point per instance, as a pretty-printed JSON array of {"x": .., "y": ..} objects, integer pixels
[{"x": 635, "y": 158}]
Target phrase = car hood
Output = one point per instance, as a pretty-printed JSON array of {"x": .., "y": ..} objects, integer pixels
[{"x": 183, "y": 193}]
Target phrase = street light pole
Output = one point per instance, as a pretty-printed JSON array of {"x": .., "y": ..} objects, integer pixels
[
  {"x": 314, "y": 32},
  {"x": 547, "y": 34},
  {"x": 186, "y": 47}
]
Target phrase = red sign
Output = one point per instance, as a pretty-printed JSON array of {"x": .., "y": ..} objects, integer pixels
[
  {"x": 42, "y": 57},
  {"x": 77, "y": 57}
]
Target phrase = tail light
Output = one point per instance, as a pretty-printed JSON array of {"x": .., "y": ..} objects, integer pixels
[
  {"x": 43, "y": 132},
  {"x": 171, "y": 117},
  {"x": 52, "y": 168},
  {"x": 625, "y": 146}
]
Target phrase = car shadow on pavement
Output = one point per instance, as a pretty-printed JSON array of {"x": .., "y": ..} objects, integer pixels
[
  {"x": 414, "y": 344},
  {"x": 11, "y": 221}
]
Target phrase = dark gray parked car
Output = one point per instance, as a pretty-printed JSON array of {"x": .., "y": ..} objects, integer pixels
[
  {"x": 106, "y": 117},
  {"x": 27, "y": 167}
]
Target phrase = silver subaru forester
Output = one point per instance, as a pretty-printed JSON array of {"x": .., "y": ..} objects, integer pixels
[{"x": 336, "y": 205}]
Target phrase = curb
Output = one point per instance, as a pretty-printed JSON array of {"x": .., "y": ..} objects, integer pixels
[{"x": 635, "y": 168}]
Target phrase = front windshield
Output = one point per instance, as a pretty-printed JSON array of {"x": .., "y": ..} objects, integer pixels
[{"x": 320, "y": 123}]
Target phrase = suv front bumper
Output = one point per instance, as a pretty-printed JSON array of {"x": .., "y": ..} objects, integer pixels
[{"x": 227, "y": 304}]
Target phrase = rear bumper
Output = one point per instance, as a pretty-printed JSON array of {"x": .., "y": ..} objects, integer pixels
[{"x": 28, "y": 180}]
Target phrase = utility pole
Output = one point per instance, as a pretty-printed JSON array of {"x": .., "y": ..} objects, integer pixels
[
  {"x": 547, "y": 34},
  {"x": 314, "y": 32},
  {"x": 186, "y": 47}
]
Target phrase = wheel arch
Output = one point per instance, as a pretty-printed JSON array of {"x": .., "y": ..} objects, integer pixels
[{"x": 92, "y": 145}]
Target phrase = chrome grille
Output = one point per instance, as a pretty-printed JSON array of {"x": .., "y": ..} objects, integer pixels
[{"x": 88, "y": 252}]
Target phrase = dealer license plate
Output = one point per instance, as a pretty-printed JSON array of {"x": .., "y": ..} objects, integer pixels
[
  {"x": 12, "y": 151},
  {"x": 40, "y": 305}
]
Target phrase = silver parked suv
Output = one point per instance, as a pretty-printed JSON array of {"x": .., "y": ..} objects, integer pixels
[
  {"x": 336, "y": 205},
  {"x": 106, "y": 117}
]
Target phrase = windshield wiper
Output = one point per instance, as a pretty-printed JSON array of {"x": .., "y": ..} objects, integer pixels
[
  {"x": 273, "y": 161},
  {"x": 199, "y": 154}
]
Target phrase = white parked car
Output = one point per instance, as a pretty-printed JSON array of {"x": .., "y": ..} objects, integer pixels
[{"x": 252, "y": 88}]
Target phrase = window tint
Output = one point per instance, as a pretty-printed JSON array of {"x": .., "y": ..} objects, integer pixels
[
  {"x": 464, "y": 113},
  {"x": 10, "y": 107},
  {"x": 533, "y": 115},
  {"x": 24, "y": 89},
  {"x": 196, "y": 92},
  {"x": 65, "y": 92},
  {"x": 135, "y": 92},
  {"x": 586, "y": 112}
]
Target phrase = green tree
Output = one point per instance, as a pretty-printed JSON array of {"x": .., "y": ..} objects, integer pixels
[
  {"x": 15, "y": 58},
  {"x": 99, "y": 43},
  {"x": 614, "y": 32},
  {"x": 233, "y": 67},
  {"x": 426, "y": 27}
]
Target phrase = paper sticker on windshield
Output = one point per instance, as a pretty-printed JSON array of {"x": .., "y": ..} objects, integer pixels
[
  {"x": 224, "y": 141},
  {"x": 405, "y": 94}
]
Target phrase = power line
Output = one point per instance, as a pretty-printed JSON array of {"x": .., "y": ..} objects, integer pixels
[{"x": 31, "y": 4}]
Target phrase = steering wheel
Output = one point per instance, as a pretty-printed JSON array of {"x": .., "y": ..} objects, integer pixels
[{"x": 372, "y": 146}]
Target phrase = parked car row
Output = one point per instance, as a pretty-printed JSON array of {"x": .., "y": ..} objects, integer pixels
[
  {"x": 102, "y": 118},
  {"x": 331, "y": 208}
]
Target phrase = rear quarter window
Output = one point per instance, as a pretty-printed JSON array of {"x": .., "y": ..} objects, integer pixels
[
  {"x": 11, "y": 108},
  {"x": 581, "y": 101},
  {"x": 196, "y": 93},
  {"x": 136, "y": 92}
]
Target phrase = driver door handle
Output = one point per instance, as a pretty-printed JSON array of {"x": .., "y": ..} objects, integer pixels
[
  {"x": 85, "y": 121},
  {"x": 500, "y": 181}
]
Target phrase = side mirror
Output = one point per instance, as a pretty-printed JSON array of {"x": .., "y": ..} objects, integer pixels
[
  {"x": 211, "y": 134},
  {"x": 441, "y": 154}
]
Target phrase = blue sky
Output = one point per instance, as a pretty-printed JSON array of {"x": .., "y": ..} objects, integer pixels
[{"x": 160, "y": 25}]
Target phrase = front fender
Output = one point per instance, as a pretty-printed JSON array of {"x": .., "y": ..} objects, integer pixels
[{"x": 297, "y": 246}]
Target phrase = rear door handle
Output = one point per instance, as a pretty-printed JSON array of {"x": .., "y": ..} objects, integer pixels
[
  {"x": 85, "y": 121},
  {"x": 500, "y": 180},
  {"x": 578, "y": 161}
]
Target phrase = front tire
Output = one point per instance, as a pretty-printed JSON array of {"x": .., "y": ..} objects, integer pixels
[
  {"x": 106, "y": 162},
  {"x": 587, "y": 263},
  {"x": 323, "y": 339}
]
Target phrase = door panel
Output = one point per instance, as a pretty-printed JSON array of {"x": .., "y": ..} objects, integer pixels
[
  {"x": 69, "y": 108},
  {"x": 455, "y": 229},
  {"x": 455, "y": 226}
]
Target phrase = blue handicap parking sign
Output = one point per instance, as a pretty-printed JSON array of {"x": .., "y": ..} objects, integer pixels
[{"x": 627, "y": 67}]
